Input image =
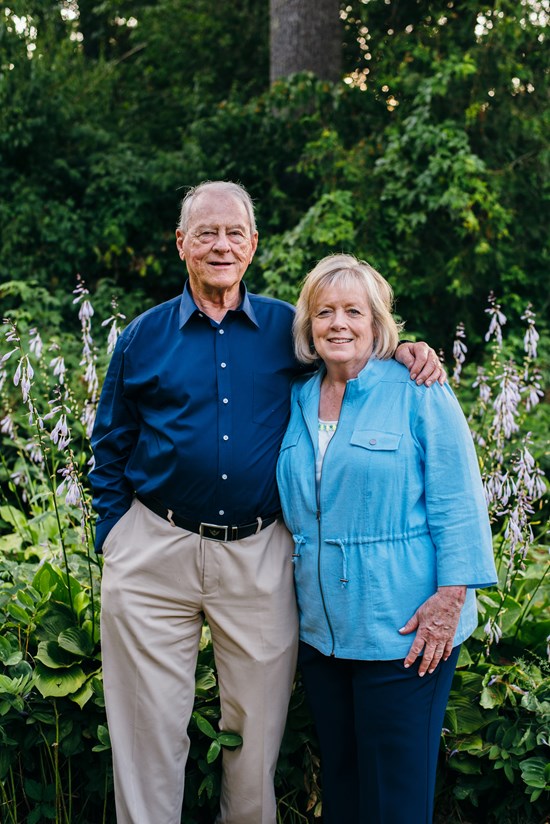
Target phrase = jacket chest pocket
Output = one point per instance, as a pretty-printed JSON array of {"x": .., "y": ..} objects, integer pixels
[
  {"x": 376, "y": 441},
  {"x": 381, "y": 457}
]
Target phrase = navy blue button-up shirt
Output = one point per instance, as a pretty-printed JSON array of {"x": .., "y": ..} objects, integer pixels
[{"x": 192, "y": 412}]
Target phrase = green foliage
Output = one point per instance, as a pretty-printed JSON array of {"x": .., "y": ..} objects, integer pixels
[
  {"x": 498, "y": 716},
  {"x": 326, "y": 226},
  {"x": 496, "y": 740},
  {"x": 51, "y": 696},
  {"x": 436, "y": 139}
]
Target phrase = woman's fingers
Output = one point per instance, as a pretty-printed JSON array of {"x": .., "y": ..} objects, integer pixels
[{"x": 435, "y": 621}]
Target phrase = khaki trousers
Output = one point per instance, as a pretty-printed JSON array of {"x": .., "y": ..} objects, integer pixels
[{"x": 159, "y": 583}]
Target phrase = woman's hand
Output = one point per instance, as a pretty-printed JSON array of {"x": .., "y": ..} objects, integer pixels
[
  {"x": 435, "y": 622},
  {"x": 422, "y": 362}
]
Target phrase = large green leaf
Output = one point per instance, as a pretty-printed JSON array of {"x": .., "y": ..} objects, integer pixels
[
  {"x": 18, "y": 613},
  {"x": 83, "y": 695},
  {"x": 465, "y": 764},
  {"x": 464, "y": 657},
  {"x": 46, "y": 525},
  {"x": 13, "y": 516},
  {"x": 536, "y": 772},
  {"x": 493, "y": 695},
  {"x": 509, "y": 613},
  {"x": 59, "y": 682},
  {"x": 10, "y": 543},
  {"x": 81, "y": 602},
  {"x": 54, "y": 656},
  {"x": 463, "y": 717},
  {"x": 77, "y": 641},
  {"x": 51, "y": 579},
  {"x": 21, "y": 669},
  {"x": 53, "y": 620},
  {"x": 205, "y": 680},
  {"x": 472, "y": 744},
  {"x": 8, "y": 654}
]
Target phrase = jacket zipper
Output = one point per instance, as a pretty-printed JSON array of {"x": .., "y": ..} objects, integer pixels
[
  {"x": 319, "y": 533},
  {"x": 319, "y": 578}
]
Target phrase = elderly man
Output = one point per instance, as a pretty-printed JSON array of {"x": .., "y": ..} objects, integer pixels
[{"x": 191, "y": 416}]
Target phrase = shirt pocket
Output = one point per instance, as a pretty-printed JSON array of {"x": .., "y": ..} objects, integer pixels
[
  {"x": 376, "y": 441},
  {"x": 271, "y": 400}
]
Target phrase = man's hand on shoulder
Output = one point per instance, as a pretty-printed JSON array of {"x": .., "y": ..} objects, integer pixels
[{"x": 422, "y": 362}]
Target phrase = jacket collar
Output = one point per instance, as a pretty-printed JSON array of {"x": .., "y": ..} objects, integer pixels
[
  {"x": 356, "y": 390},
  {"x": 371, "y": 374}
]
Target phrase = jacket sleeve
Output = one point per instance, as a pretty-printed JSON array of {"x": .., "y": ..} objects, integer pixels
[
  {"x": 114, "y": 437},
  {"x": 455, "y": 501}
]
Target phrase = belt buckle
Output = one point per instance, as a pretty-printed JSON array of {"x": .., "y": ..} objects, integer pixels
[{"x": 214, "y": 532}]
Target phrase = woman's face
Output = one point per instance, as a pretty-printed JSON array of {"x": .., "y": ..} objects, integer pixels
[{"x": 342, "y": 328}]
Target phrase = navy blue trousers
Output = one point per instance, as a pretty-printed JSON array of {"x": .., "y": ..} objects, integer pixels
[{"x": 379, "y": 728}]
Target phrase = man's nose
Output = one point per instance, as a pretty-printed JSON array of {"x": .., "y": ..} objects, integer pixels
[{"x": 221, "y": 244}]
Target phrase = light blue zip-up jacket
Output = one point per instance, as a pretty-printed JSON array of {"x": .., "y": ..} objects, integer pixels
[{"x": 399, "y": 511}]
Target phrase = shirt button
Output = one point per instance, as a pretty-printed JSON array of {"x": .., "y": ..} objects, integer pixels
[
  {"x": 222, "y": 332},
  {"x": 222, "y": 512},
  {"x": 223, "y": 365},
  {"x": 201, "y": 315},
  {"x": 226, "y": 437},
  {"x": 226, "y": 400},
  {"x": 224, "y": 477},
  {"x": 372, "y": 441}
]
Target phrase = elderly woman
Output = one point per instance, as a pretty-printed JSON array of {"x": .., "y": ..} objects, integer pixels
[{"x": 380, "y": 487}]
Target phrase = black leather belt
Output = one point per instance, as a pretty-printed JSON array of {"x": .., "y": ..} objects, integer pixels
[{"x": 214, "y": 532}]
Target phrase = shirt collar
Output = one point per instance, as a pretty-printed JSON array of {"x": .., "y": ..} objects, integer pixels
[{"x": 188, "y": 307}]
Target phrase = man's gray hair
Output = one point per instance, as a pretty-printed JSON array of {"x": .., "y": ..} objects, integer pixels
[{"x": 224, "y": 186}]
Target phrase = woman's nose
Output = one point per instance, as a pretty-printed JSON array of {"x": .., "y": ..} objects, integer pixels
[{"x": 338, "y": 320}]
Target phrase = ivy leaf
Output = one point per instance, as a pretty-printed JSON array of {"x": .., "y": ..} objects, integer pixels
[
  {"x": 204, "y": 725},
  {"x": 230, "y": 739},
  {"x": 213, "y": 751}
]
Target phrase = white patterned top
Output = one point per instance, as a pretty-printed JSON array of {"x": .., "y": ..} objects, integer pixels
[{"x": 326, "y": 431}]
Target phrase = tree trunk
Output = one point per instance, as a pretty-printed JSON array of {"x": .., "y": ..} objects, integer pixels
[{"x": 305, "y": 35}]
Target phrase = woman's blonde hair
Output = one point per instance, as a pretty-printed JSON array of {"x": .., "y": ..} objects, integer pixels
[{"x": 345, "y": 271}]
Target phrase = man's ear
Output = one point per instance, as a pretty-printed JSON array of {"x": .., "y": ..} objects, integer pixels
[
  {"x": 254, "y": 244},
  {"x": 180, "y": 237}
]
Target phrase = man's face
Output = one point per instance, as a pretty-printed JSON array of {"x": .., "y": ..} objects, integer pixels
[{"x": 218, "y": 245}]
